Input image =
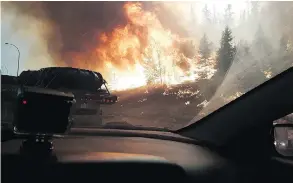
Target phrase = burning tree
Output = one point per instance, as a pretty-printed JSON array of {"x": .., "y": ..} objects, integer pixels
[
  {"x": 152, "y": 72},
  {"x": 153, "y": 68},
  {"x": 143, "y": 51}
]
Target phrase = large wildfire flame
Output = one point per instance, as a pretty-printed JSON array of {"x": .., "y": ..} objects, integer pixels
[{"x": 143, "y": 52}]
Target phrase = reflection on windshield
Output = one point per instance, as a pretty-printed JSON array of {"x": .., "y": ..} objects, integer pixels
[{"x": 169, "y": 63}]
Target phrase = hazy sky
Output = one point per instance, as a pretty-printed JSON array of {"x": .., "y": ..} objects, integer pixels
[{"x": 220, "y": 5}]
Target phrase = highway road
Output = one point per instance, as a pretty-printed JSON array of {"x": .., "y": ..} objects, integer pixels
[
  {"x": 156, "y": 106},
  {"x": 168, "y": 107}
]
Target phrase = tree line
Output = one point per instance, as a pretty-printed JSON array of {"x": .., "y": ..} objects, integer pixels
[
  {"x": 245, "y": 40},
  {"x": 259, "y": 49}
]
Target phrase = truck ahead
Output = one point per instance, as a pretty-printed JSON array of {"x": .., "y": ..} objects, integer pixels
[{"x": 88, "y": 87}]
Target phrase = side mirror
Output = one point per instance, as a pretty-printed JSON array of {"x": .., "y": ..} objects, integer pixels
[{"x": 283, "y": 139}]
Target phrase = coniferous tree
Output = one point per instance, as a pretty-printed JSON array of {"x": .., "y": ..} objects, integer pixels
[
  {"x": 226, "y": 51},
  {"x": 207, "y": 15},
  {"x": 204, "y": 48},
  {"x": 262, "y": 49},
  {"x": 243, "y": 50},
  {"x": 228, "y": 16},
  {"x": 261, "y": 43}
]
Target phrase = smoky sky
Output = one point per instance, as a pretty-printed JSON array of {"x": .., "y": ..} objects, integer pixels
[
  {"x": 80, "y": 22},
  {"x": 77, "y": 25}
]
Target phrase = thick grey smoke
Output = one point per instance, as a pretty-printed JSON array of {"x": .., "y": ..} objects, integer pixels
[
  {"x": 79, "y": 23},
  {"x": 55, "y": 29},
  {"x": 74, "y": 27},
  {"x": 272, "y": 21}
]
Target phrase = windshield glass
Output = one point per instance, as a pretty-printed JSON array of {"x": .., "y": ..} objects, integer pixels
[{"x": 166, "y": 64}]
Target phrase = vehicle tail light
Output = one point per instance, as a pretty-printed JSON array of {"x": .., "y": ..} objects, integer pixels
[{"x": 109, "y": 100}]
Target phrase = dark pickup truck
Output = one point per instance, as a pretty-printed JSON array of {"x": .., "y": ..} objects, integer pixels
[{"x": 89, "y": 87}]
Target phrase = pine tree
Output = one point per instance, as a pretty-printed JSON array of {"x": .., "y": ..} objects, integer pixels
[
  {"x": 263, "y": 52},
  {"x": 207, "y": 15},
  {"x": 228, "y": 16},
  {"x": 204, "y": 48},
  {"x": 261, "y": 47},
  {"x": 283, "y": 14},
  {"x": 243, "y": 50},
  {"x": 226, "y": 51}
]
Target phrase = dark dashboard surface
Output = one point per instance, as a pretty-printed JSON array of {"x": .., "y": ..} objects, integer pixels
[{"x": 149, "y": 158}]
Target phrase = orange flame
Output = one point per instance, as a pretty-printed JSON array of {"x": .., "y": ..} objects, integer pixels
[{"x": 143, "y": 52}]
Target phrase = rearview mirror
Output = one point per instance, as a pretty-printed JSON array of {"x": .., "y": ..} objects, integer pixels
[{"x": 283, "y": 139}]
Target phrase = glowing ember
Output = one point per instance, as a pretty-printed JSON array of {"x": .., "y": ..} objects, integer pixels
[
  {"x": 268, "y": 74},
  {"x": 232, "y": 97}
]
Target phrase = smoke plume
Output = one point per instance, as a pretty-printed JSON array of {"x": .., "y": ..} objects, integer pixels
[{"x": 62, "y": 30}]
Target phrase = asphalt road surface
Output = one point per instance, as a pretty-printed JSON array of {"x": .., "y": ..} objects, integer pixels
[
  {"x": 158, "y": 107},
  {"x": 161, "y": 106}
]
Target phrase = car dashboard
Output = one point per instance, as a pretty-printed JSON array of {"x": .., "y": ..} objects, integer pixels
[{"x": 110, "y": 158}]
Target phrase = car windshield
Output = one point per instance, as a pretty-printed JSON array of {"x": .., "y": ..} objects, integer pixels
[{"x": 166, "y": 64}]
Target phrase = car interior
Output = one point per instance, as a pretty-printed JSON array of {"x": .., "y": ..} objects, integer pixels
[{"x": 232, "y": 144}]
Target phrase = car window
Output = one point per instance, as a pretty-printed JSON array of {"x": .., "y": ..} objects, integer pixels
[{"x": 169, "y": 63}]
